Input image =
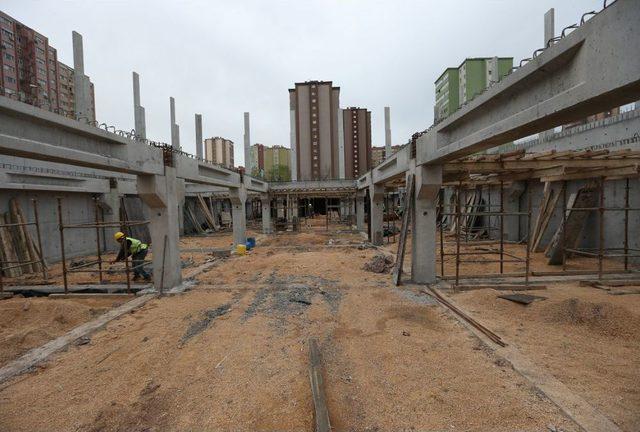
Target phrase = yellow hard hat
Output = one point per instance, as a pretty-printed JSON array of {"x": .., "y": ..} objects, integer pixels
[{"x": 118, "y": 235}]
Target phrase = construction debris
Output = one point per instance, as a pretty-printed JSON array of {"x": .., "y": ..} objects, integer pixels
[
  {"x": 524, "y": 299},
  {"x": 379, "y": 264}
]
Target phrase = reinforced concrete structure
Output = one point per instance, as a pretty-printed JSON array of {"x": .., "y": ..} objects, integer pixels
[
  {"x": 357, "y": 141},
  {"x": 566, "y": 80}
]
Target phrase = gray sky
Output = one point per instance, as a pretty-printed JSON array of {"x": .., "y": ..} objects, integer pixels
[{"x": 221, "y": 58}]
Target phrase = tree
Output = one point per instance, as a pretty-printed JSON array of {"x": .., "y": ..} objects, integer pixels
[{"x": 279, "y": 173}]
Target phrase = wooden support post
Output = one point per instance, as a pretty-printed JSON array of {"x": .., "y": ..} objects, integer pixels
[
  {"x": 317, "y": 388},
  {"x": 64, "y": 261}
]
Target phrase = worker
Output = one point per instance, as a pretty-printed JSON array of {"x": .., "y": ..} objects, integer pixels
[{"x": 137, "y": 250}]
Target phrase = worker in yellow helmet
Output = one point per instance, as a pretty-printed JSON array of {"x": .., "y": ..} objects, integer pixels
[{"x": 137, "y": 250}]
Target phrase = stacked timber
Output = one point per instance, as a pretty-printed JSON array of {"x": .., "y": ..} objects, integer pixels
[
  {"x": 574, "y": 220},
  {"x": 200, "y": 216},
  {"x": 17, "y": 245}
]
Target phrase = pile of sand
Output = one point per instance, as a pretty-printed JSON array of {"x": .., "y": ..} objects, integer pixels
[
  {"x": 26, "y": 323},
  {"x": 603, "y": 318}
]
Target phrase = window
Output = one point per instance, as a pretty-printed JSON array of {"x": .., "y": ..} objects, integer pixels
[
  {"x": 6, "y": 21},
  {"x": 40, "y": 61},
  {"x": 10, "y": 80},
  {"x": 8, "y": 57},
  {"x": 7, "y": 34},
  {"x": 9, "y": 68},
  {"x": 40, "y": 51},
  {"x": 39, "y": 40}
]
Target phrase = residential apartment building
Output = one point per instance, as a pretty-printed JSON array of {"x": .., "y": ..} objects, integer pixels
[
  {"x": 357, "y": 141},
  {"x": 457, "y": 86},
  {"x": 314, "y": 108},
  {"x": 30, "y": 70},
  {"x": 271, "y": 163},
  {"x": 219, "y": 150},
  {"x": 378, "y": 154}
]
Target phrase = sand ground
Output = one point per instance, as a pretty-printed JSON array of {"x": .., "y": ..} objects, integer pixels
[{"x": 232, "y": 353}]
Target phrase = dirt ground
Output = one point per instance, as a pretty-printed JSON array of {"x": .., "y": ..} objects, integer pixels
[
  {"x": 585, "y": 337},
  {"x": 232, "y": 354},
  {"x": 27, "y": 323}
]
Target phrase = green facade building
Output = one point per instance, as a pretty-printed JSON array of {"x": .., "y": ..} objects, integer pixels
[{"x": 459, "y": 85}]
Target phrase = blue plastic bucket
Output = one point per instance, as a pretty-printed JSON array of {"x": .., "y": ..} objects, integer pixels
[{"x": 251, "y": 243}]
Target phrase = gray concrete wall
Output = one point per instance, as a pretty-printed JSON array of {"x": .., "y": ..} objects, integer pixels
[{"x": 77, "y": 208}]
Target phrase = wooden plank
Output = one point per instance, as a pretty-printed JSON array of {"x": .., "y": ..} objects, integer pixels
[
  {"x": 575, "y": 222},
  {"x": 500, "y": 287},
  {"x": 317, "y": 388},
  {"x": 8, "y": 247},
  {"x": 36, "y": 267},
  {"x": 20, "y": 240},
  {"x": 406, "y": 220},
  {"x": 547, "y": 218},
  {"x": 546, "y": 196}
]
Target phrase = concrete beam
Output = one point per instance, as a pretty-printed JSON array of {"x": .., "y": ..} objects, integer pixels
[{"x": 588, "y": 71}]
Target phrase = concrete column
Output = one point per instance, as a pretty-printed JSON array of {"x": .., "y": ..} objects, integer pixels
[
  {"x": 549, "y": 33},
  {"x": 175, "y": 129},
  {"x": 247, "y": 143},
  {"x": 82, "y": 89},
  {"x": 181, "y": 193},
  {"x": 376, "y": 216},
  {"x": 161, "y": 195},
  {"x": 360, "y": 211},
  {"x": 138, "y": 110},
  {"x": 111, "y": 211},
  {"x": 238, "y": 198},
  {"x": 266, "y": 214},
  {"x": 341, "y": 155},
  {"x": 199, "y": 136},
  {"x": 387, "y": 132},
  {"x": 512, "y": 196},
  {"x": 428, "y": 180}
]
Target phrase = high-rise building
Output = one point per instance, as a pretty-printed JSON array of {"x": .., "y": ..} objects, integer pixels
[
  {"x": 271, "y": 163},
  {"x": 219, "y": 150},
  {"x": 30, "y": 70},
  {"x": 357, "y": 141},
  {"x": 446, "y": 93},
  {"x": 314, "y": 107},
  {"x": 457, "y": 86}
]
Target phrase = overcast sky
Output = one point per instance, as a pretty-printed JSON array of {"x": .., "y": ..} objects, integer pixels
[{"x": 221, "y": 58}]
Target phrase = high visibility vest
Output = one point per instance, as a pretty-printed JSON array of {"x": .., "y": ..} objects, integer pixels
[{"x": 136, "y": 245}]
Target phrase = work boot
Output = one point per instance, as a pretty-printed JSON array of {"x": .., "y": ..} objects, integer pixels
[
  {"x": 136, "y": 278},
  {"x": 147, "y": 278}
]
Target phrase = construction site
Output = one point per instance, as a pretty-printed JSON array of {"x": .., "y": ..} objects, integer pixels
[{"x": 484, "y": 277}]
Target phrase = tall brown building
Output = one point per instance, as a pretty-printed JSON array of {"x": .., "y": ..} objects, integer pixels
[
  {"x": 357, "y": 141},
  {"x": 30, "y": 70},
  {"x": 314, "y": 109}
]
